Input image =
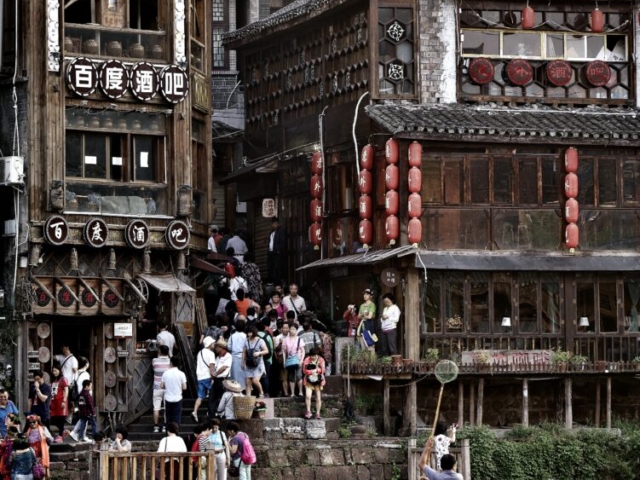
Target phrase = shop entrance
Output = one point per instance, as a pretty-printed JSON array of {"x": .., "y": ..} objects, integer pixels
[{"x": 79, "y": 337}]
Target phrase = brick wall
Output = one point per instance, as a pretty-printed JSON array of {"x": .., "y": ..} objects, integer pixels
[{"x": 437, "y": 51}]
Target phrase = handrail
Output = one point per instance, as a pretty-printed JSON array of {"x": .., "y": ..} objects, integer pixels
[
  {"x": 461, "y": 452},
  {"x": 157, "y": 465}
]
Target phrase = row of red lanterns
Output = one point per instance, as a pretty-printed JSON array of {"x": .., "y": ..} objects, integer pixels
[
  {"x": 391, "y": 184},
  {"x": 597, "y": 19},
  {"x": 316, "y": 188},
  {"x": 365, "y": 203},
  {"x": 571, "y": 207}
]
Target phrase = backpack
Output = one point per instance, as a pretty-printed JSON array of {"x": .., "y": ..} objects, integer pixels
[
  {"x": 73, "y": 391},
  {"x": 267, "y": 343},
  {"x": 248, "y": 456}
]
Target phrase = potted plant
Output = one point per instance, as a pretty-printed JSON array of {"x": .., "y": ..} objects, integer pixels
[
  {"x": 636, "y": 362},
  {"x": 260, "y": 409},
  {"x": 482, "y": 358},
  {"x": 431, "y": 356},
  {"x": 578, "y": 362},
  {"x": 560, "y": 359}
]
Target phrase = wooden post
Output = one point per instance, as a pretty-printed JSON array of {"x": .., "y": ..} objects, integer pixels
[
  {"x": 466, "y": 457},
  {"x": 460, "y": 403},
  {"x": 598, "y": 401},
  {"x": 412, "y": 461},
  {"x": 386, "y": 406},
  {"x": 525, "y": 402},
  {"x": 410, "y": 410},
  {"x": 608, "y": 402},
  {"x": 480, "y": 401},
  {"x": 412, "y": 315},
  {"x": 472, "y": 405},
  {"x": 568, "y": 403}
]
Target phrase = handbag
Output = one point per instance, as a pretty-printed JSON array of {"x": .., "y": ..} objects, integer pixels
[
  {"x": 38, "y": 470},
  {"x": 234, "y": 470},
  {"x": 292, "y": 359}
]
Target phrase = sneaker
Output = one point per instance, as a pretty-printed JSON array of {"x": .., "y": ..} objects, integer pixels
[
  {"x": 65, "y": 434},
  {"x": 194, "y": 415},
  {"x": 57, "y": 439},
  {"x": 87, "y": 440},
  {"x": 318, "y": 417},
  {"x": 307, "y": 415},
  {"x": 259, "y": 396},
  {"x": 74, "y": 435},
  {"x": 164, "y": 429},
  {"x": 156, "y": 429}
]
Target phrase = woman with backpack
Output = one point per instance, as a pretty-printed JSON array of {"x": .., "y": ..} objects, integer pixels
[
  {"x": 242, "y": 453},
  {"x": 252, "y": 362}
]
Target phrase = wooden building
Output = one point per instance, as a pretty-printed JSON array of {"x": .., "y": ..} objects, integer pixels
[
  {"x": 522, "y": 119},
  {"x": 118, "y": 183}
]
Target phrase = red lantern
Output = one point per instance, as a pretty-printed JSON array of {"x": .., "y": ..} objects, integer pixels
[
  {"x": 571, "y": 185},
  {"x": 366, "y": 159},
  {"x": 571, "y": 210},
  {"x": 415, "y": 180},
  {"x": 597, "y": 21},
  {"x": 391, "y": 151},
  {"x": 528, "y": 18},
  {"x": 391, "y": 178},
  {"x": 415, "y": 154},
  {"x": 571, "y": 160},
  {"x": 572, "y": 234},
  {"x": 391, "y": 202},
  {"x": 365, "y": 232},
  {"x": 317, "y": 163},
  {"x": 415, "y": 231},
  {"x": 315, "y": 235},
  {"x": 365, "y": 206},
  {"x": 415, "y": 205},
  {"x": 316, "y": 210},
  {"x": 316, "y": 186},
  {"x": 392, "y": 229},
  {"x": 365, "y": 182}
]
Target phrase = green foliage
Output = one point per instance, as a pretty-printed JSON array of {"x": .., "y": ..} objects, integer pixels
[
  {"x": 344, "y": 431},
  {"x": 367, "y": 404},
  {"x": 395, "y": 472},
  {"x": 549, "y": 452}
]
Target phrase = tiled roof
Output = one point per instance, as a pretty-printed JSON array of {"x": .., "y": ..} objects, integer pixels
[
  {"x": 293, "y": 11},
  {"x": 553, "y": 124}
]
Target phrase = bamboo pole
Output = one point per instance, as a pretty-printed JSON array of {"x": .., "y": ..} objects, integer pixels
[{"x": 480, "y": 402}]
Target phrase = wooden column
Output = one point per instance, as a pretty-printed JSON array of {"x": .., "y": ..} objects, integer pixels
[
  {"x": 525, "y": 402},
  {"x": 480, "y": 401},
  {"x": 410, "y": 413},
  {"x": 608, "y": 402},
  {"x": 472, "y": 404},
  {"x": 460, "y": 403},
  {"x": 568, "y": 403},
  {"x": 412, "y": 315},
  {"x": 386, "y": 407},
  {"x": 598, "y": 407}
]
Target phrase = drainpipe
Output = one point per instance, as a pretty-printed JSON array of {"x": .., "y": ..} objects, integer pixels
[{"x": 324, "y": 175}]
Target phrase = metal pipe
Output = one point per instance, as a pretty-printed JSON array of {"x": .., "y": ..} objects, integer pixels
[
  {"x": 353, "y": 132},
  {"x": 324, "y": 174}
]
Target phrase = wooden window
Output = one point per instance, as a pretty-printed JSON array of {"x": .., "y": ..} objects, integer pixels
[
  {"x": 479, "y": 179},
  {"x": 432, "y": 322},
  {"x": 431, "y": 180},
  {"x": 143, "y": 14},
  {"x": 453, "y": 181},
  {"x": 528, "y": 181},
  {"x": 502, "y": 180},
  {"x": 219, "y": 25},
  {"x": 479, "y": 304},
  {"x": 198, "y": 35},
  {"x": 396, "y": 67}
]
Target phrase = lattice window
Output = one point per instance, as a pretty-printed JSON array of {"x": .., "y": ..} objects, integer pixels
[
  {"x": 220, "y": 25},
  {"x": 219, "y": 55},
  {"x": 396, "y": 70}
]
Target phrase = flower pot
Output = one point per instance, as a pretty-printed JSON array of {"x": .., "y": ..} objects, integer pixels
[
  {"x": 358, "y": 430},
  {"x": 407, "y": 363},
  {"x": 601, "y": 365},
  {"x": 561, "y": 367},
  {"x": 396, "y": 360}
]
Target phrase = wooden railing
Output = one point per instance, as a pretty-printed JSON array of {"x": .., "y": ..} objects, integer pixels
[
  {"x": 462, "y": 454},
  {"x": 157, "y": 466},
  {"x": 451, "y": 344},
  {"x": 608, "y": 348}
]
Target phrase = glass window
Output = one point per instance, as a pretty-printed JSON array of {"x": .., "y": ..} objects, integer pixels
[
  {"x": 455, "y": 228},
  {"x": 528, "y": 181},
  {"x": 502, "y": 306},
  {"x": 607, "y": 189},
  {"x": 453, "y": 181},
  {"x": 576, "y": 46},
  {"x": 431, "y": 322},
  {"x": 73, "y": 151},
  {"x": 479, "y": 173},
  {"x": 454, "y": 306},
  {"x": 431, "y": 180},
  {"x": 95, "y": 156},
  {"x": 481, "y": 43},
  {"x": 585, "y": 182},
  {"x": 631, "y": 300},
  {"x": 522, "y": 44},
  {"x": 479, "y": 304},
  {"x": 527, "y": 303},
  {"x": 502, "y": 180},
  {"x": 609, "y": 229},
  {"x": 550, "y": 181},
  {"x": 608, "y": 307},
  {"x": 555, "y": 46},
  {"x": 550, "y": 307},
  {"x": 631, "y": 181},
  {"x": 585, "y": 297},
  {"x": 145, "y": 153}
]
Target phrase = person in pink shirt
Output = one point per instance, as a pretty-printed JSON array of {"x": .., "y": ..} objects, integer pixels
[{"x": 276, "y": 304}]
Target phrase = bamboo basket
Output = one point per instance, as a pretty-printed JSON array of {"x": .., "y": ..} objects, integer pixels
[{"x": 243, "y": 407}]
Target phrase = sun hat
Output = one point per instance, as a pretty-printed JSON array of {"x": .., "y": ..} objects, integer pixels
[{"x": 232, "y": 386}]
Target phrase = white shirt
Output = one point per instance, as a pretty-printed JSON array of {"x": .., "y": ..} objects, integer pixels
[
  {"x": 224, "y": 362},
  {"x": 234, "y": 284},
  {"x": 172, "y": 444},
  {"x": 173, "y": 380},
  {"x": 238, "y": 245},
  {"x": 299, "y": 303},
  {"x": 393, "y": 317},
  {"x": 81, "y": 377},
  {"x": 211, "y": 245},
  {"x": 271, "y": 237},
  {"x": 166, "y": 338},
  {"x": 226, "y": 405},
  {"x": 69, "y": 364},
  {"x": 236, "y": 343},
  {"x": 205, "y": 358}
]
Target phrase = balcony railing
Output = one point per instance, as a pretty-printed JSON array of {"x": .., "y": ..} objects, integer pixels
[{"x": 157, "y": 466}]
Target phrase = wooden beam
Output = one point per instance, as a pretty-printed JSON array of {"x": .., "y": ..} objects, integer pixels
[
  {"x": 135, "y": 290},
  {"x": 472, "y": 404},
  {"x": 525, "y": 402},
  {"x": 112, "y": 288},
  {"x": 386, "y": 407},
  {"x": 410, "y": 413},
  {"x": 598, "y": 402},
  {"x": 88, "y": 287},
  {"x": 480, "y": 402},
  {"x": 568, "y": 403},
  {"x": 460, "y": 403},
  {"x": 412, "y": 316},
  {"x": 608, "y": 402},
  {"x": 66, "y": 287},
  {"x": 44, "y": 289}
]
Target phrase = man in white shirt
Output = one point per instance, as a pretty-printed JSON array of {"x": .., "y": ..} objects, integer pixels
[
  {"x": 160, "y": 364},
  {"x": 165, "y": 337},
  {"x": 294, "y": 302},
  {"x": 211, "y": 243},
  {"x": 239, "y": 246},
  {"x": 174, "y": 382},
  {"x": 389, "y": 322},
  {"x": 68, "y": 367},
  {"x": 219, "y": 373},
  {"x": 205, "y": 363}
]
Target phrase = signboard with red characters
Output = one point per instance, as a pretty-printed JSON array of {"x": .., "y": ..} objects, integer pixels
[
  {"x": 88, "y": 298},
  {"x": 481, "y": 71},
  {"x": 598, "y": 73},
  {"x": 519, "y": 72},
  {"x": 559, "y": 73}
]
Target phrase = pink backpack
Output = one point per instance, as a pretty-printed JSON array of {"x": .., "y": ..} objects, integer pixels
[{"x": 248, "y": 455}]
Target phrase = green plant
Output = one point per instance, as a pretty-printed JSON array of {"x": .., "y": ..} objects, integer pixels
[
  {"x": 481, "y": 356},
  {"x": 367, "y": 404},
  {"x": 344, "y": 431},
  {"x": 636, "y": 359},
  {"x": 432, "y": 355},
  {"x": 395, "y": 472},
  {"x": 560, "y": 356},
  {"x": 578, "y": 360},
  {"x": 385, "y": 359}
]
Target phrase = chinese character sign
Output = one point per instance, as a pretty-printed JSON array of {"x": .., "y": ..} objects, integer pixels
[
  {"x": 137, "y": 234},
  {"x": 174, "y": 84},
  {"x": 144, "y": 81},
  {"x": 177, "y": 235},
  {"x": 96, "y": 233},
  {"x": 82, "y": 76},
  {"x": 114, "y": 79},
  {"x": 56, "y": 230},
  {"x": 269, "y": 208}
]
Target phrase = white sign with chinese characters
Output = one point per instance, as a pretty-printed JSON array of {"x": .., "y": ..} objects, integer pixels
[{"x": 123, "y": 329}]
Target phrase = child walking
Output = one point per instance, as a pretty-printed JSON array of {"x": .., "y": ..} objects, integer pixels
[{"x": 87, "y": 414}]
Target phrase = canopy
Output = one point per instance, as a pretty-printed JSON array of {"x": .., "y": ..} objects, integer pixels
[{"x": 166, "y": 282}]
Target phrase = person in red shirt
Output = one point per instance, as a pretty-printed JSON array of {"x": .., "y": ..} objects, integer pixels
[
  {"x": 351, "y": 317},
  {"x": 59, "y": 401}
]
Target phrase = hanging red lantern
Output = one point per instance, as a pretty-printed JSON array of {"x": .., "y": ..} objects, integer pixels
[
  {"x": 571, "y": 185},
  {"x": 316, "y": 210},
  {"x": 391, "y": 177},
  {"x": 415, "y": 154},
  {"x": 415, "y": 231},
  {"x": 317, "y": 164},
  {"x": 366, "y": 158},
  {"x": 365, "y": 206},
  {"x": 415, "y": 180},
  {"x": 365, "y": 232},
  {"x": 365, "y": 182},
  {"x": 392, "y": 229},
  {"x": 391, "y": 151},
  {"x": 316, "y": 186},
  {"x": 528, "y": 18},
  {"x": 597, "y": 21},
  {"x": 572, "y": 235},
  {"x": 391, "y": 201},
  {"x": 415, "y": 205},
  {"x": 571, "y": 211},
  {"x": 315, "y": 235},
  {"x": 571, "y": 160}
]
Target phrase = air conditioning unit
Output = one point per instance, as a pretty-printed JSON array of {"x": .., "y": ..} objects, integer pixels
[{"x": 11, "y": 170}]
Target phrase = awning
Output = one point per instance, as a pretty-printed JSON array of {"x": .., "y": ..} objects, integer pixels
[
  {"x": 267, "y": 165},
  {"x": 367, "y": 258},
  {"x": 166, "y": 282},
  {"x": 207, "y": 267}
]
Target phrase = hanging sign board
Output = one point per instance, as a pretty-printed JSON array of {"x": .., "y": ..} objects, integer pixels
[{"x": 123, "y": 329}]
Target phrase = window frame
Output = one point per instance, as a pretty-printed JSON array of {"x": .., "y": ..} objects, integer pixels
[{"x": 223, "y": 26}]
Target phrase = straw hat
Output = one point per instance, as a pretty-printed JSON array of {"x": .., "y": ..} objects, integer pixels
[
  {"x": 207, "y": 342},
  {"x": 221, "y": 342},
  {"x": 232, "y": 386}
]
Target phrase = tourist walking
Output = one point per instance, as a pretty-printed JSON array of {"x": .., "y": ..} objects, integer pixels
[
  {"x": 252, "y": 360},
  {"x": 39, "y": 439},
  {"x": 87, "y": 414},
  {"x": 313, "y": 369},
  {"x": 172, "y": 443},
  {"x": 174, "y": 382},
  {"x": 242, "y": 452},
  {"x": 292, "y": 356},
  {"x": 59, "y": 401},
  {"x": 165, "y": 337},
  {"x": 160, "y": 364},
  {"x": 205, "y": 365},
  {"x": 40, "y": 398},
  {"x": 221, "y": 372},
  {"x": 293, "y": 301},
  {"x": 22, "y": 459},
  {"x": 219, "y": 443},
  {"x": 237, "y": 342},
  {"x": 7, "y": 408},
  {"x": 251, "y": 273}
]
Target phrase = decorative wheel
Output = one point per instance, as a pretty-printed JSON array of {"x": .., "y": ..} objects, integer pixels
[
  {"x": 44, "y": 330},
  {"x": 110, "y": 403},
  {"x": 132, "y": 301},
  {"x": 44, "y": 355},
  {"x": 110, "y": 379},
  {"x": 110, "y": 355}
]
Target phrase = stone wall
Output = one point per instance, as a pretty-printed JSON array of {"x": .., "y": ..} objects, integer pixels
[{"x": 72, "y": 462}]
